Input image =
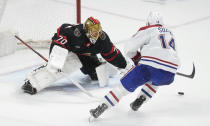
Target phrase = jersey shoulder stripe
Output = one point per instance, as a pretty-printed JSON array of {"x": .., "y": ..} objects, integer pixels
[{"x": 150, "y": 26}]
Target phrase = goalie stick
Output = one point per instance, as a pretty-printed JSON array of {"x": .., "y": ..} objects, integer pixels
[{"x": 73, "y": 81}]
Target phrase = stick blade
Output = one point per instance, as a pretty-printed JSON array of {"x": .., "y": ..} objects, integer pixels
[{"x": 188, "y": 76}]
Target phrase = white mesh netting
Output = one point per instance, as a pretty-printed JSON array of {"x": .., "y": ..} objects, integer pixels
[{"x": 36, "y": 21}]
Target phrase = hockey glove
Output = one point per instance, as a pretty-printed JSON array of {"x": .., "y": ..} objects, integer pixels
[
  {"x": 136, "y": 58},
  {"x": 123, "y": 71}
]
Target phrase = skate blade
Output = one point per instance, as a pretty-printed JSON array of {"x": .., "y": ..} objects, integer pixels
[{"x": 91, "y": 119}]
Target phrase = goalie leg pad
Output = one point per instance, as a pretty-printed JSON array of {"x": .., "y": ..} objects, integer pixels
[
  {"x": 57, "y": 58},
  {"x": 72, "y": 63},
  {"x": 46, "y": 75},
  {"x": 42, "y": 77},
  {"x": 102, "y": 74}
]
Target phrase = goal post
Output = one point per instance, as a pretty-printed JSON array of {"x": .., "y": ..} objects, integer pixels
[{"x": 78, "y": 13}]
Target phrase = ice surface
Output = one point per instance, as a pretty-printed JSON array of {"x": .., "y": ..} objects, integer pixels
[{"x": 63, "y": 104}]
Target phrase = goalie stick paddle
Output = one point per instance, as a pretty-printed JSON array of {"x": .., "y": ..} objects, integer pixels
[
  {"x": 73, "y": 81},
  {"x": 186, "y": 75}
]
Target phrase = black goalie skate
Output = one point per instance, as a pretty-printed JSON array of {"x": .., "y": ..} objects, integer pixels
[
  {"x": 93, "y": 76},
  {"x": 99, "y": 110},
  {"x": 27, "y": 88},
  {"x": 135, "y": 105}
]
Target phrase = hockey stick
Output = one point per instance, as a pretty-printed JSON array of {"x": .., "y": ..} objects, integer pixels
[
  {"x": 186, "y": 75},
  {"x": 74, "y": 82},
  {"x": 31, "y": 48},
  {"x": 77, "y": 84}
]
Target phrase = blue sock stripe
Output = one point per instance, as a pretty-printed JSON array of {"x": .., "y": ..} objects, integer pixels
[
  {"x": 109, "y": 100},
  {"x": 146, "y": 93}
]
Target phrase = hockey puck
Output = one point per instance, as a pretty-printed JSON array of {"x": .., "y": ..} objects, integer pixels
[{"x": 181, "y": 93}]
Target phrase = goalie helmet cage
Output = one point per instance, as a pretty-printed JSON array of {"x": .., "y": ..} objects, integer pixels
[{"x": 37, "y": 20}]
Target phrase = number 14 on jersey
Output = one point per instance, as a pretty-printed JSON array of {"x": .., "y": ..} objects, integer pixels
[{"x": 166, "y": 44}]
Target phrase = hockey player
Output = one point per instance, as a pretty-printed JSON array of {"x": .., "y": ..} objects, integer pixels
[
  {"x": 74, "y": 47},
  {"x": 158, "y": 65}
]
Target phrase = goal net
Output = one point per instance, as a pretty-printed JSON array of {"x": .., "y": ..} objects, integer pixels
[{"x": 35, "y": 21}]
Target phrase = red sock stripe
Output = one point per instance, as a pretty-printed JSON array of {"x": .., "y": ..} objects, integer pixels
[
  {"x": 115, "y": 97},
  {"x": 151, "y": 88}
]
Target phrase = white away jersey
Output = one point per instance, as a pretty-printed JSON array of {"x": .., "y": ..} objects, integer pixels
[{"x": 157, "y": 47}]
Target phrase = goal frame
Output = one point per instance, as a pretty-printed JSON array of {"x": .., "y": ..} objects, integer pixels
[{"x": 78, "y": 11}]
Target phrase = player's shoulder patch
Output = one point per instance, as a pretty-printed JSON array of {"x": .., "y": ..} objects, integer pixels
[
  {"x": 65, "y": 26},
  {"x": 103, "y": 36},
  {"x": 77, "y": 33}
]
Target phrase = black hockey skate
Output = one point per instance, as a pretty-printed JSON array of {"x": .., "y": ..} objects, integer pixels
[
  {"x": 27, "y": 88},
  {"x": 135, "y": 105},
  {"x": 99, "y": 110},
  {"x": 93, "y": 76}
]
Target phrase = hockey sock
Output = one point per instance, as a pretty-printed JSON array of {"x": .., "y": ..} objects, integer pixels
[
  {"x": 148, "y": 90},
  {"x": 114, "y": 96}
]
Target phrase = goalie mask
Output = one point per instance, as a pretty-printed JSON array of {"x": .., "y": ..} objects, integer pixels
[{"x": 93, "y": 29}]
